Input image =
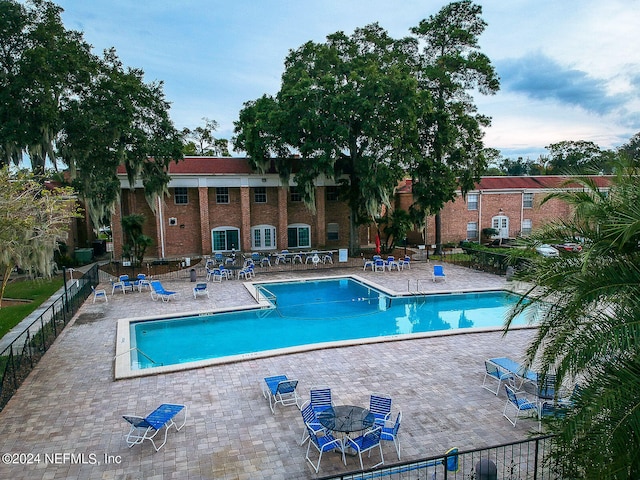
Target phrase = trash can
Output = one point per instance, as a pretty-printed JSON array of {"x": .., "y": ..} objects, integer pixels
[
  {"x": 193, "y": 274},
  {"x": 486, "y": 470}
]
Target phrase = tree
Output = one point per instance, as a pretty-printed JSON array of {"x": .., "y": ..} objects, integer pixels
[
  {"x": 42, "y": 65},
  {"x": 579, "y": 158},
  {"x": 201, "y": 141},
  {"x": 587, "y": 307},
  {"x": 34, "y": 219},
  {"x": 345, "y": 110},
  {"x": 118, "y": 120},
  {"x": 137, "y": 242},
  {"x": 450, "y": 153}
]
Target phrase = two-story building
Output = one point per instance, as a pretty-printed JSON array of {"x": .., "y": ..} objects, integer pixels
[{"x": 220, "y": 205}]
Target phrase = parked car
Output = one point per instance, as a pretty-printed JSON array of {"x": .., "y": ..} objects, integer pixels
[
  {"x": 547, "y": 250},
  {"x": 568, "y": 247}
]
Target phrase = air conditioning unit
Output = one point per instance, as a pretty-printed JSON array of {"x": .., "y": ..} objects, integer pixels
[{"x": 173, "y": 222}]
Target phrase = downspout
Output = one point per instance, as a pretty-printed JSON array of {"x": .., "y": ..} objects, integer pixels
[{"x": 161, "y": 220}]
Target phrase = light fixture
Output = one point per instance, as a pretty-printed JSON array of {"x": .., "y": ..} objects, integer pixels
[{"x": 264, "y": 180}]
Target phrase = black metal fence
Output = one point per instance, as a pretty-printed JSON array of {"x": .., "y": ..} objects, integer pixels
[
  {"x": 491, "y": 262},
  {"x": 22, "y": 355},
  {"x": 524, "y": 460}
]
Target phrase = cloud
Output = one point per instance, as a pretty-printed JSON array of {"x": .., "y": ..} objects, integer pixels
[{"x": 539, "y": 77}]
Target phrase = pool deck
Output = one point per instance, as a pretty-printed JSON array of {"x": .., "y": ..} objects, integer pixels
[{"x": 71, "y": 405}]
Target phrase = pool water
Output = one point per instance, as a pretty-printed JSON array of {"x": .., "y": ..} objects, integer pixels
[{"x": 311, "y": 312}]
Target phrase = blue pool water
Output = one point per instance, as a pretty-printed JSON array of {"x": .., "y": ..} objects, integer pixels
[{"x": 311, "y": 312}]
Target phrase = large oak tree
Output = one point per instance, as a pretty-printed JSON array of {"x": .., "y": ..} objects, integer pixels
[{"x": 346, "y": 111}]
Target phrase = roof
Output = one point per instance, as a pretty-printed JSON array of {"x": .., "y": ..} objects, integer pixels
[
  {"x": 207, "y": 166},
  {"x": 521, "y": 183}
]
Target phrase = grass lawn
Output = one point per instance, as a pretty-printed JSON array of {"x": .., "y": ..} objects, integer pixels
[{"x": 38, "y": 291}]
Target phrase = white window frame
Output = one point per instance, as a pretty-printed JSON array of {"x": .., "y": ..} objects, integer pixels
[
  {"x": 527, "y": 200},
  {"x": 299, "y": 226},
  {"x": 222, "y": 192},
  {"x": 256, "y": 194},
  {"x": 227, "y": 248},
  {"x": 183, "y": 195},
  {"x": 260, "y": 234},
  {"x": 472, "y": 205},
  {"x": 333, "y": 228},
  {"x": 474, "y": 230},
  {"x": 527, "y": 227}
]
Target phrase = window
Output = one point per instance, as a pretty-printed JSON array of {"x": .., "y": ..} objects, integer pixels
[
  {"x": 299, "y": 236},
  {"x": 332, "y": 194},
  {"x": 332, "y": 231},
  {"x": 180, "y": 196},
  {"x": 526, "y": 226},
  {"x": 472, "y": 231},
  {"x": 225, "y": 239},
  {"x": 222, "y": 195},
  {"x": 263, "y": 237},
  {"x": 472, "y": 201},
  {"x": 295, "y": 194},
  {"x": 527, "y": 200},
  {"x": 260, "y": 194}
]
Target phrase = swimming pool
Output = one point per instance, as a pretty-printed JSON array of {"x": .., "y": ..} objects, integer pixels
[{"x": 311, "y": 313}]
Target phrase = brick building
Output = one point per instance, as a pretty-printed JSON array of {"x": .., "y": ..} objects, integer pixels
[
  {"x": 220, "y": 204},
  {"x": 511, "y": 205}
]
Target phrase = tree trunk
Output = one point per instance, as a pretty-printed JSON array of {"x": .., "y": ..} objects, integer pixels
[
  {"x": 5, "y": 280},
  {"x": 354, "y": 240},
  {"x": 438, "y": 225}
]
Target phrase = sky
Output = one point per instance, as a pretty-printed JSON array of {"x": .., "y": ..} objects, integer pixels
[{"x": 569, "y": 69}]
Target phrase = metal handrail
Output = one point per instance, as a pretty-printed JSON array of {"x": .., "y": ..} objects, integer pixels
[{"x": 139, "y": 351}]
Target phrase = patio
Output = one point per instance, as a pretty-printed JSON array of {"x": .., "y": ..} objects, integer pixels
[{"x": 69, "y": 410}]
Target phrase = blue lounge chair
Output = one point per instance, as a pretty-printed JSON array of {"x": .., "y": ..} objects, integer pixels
[
  {"x": 380, "y": 406},
  {"x": 282, "y": 390},
  {"x": 200, "y": 289},
  {"x": 519, "y": 402},
  {"x": 146, "y": 428},
  {"x": 323, "y": 443},
  {"x": 438, "y": 273},
  {"x": 366, "y": 443},
  {"x": 158, "y": 291},
  {"x": 390, "y": 433}
]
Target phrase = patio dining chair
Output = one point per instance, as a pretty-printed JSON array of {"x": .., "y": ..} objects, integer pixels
[
  {"x": 390, "y": 432},
  {"x": 320, "y": 398},
  {"x": 200, "y": 289},
  {"x": 438, "y": 273},
  {"x": 520, "y": 403},
  {"x": 309, "y": 420},
  {"x": 380, "y": 406},
  {"x": 494, "y": 372},
  {"x": 322, "y": 443},
  {"x": 367, "y": 442},
  {"x": 99, "y": 293}
]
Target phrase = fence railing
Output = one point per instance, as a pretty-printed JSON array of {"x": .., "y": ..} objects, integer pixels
[
  {"x": 523, "y": 460},
  {"x": 23, "y": 353}
]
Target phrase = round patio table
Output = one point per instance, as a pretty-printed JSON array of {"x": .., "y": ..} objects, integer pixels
[{"x": 346, "y": 418}]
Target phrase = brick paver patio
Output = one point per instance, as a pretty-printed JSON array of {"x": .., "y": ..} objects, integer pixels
[{"x": 69, "y": 410}]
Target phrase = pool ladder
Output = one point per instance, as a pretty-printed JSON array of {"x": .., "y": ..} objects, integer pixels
[{"x": 141, "y": 353}]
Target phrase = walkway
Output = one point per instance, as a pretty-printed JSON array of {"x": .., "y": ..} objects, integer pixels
[{"x": 70, "y": 405}]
